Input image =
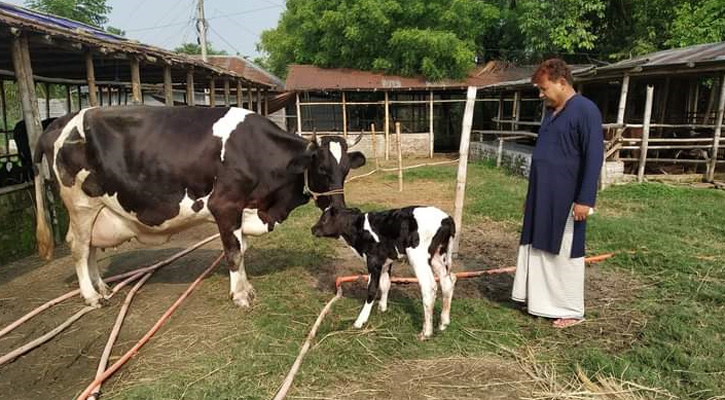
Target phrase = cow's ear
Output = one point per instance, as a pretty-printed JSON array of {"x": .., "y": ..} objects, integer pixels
[
  {"x": 300, "y": 162},
  {"x": 357, "y": 159}
]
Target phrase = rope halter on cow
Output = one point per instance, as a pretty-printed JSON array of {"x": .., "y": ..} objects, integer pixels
[{"x": 315, "y": 195}]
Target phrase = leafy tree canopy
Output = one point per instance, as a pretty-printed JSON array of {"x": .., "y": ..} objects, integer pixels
[
  {"x": 194, "y": 48},
  {"x": 443, "y": 38},
  {"x": 91, "y": 12}
]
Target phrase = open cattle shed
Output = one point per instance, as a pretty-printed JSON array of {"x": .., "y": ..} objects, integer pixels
[
  {"x": 346, "y": 101},
  {"x": 662, "y": 112},
  {"x": 50, "y": 66}
]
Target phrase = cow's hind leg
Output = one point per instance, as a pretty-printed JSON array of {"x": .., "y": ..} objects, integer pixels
[
  {"x": 95, "y": 273},
  {"x": 448, "y": 281},
  {"x": 418, "y": 258},
  {"x": 79, "y": 238},
  {"x": 385, "y": 286}
]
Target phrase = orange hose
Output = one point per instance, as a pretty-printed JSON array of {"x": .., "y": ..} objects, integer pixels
[
  {"x": 465, "y": 274},
  {"x": 118, "y": 364}
]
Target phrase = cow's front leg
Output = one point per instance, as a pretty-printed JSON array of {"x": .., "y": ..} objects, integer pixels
[
  {"x": 374, "y": 268},
  {"x": 229, "y": 222}
]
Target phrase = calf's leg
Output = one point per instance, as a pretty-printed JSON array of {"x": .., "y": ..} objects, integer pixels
[
  {"x": 418, "y": 258},
  {"x": 385, "y": 286},
  {"x": 374, "y": 268}
]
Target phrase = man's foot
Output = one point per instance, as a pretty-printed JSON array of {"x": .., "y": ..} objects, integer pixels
[{"x": 563, "y": 323}]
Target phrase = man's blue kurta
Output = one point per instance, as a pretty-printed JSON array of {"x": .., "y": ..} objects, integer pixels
[{"x": 565, "y": 169}]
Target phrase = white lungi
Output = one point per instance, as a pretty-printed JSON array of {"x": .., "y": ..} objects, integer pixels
[{"x": 552, "y": 285}]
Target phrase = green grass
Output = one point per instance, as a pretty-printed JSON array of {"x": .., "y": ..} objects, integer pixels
[{"x": 670, "y": 239}]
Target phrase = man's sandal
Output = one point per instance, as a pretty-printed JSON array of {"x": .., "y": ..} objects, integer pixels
[{"x": 563, "y": 323}]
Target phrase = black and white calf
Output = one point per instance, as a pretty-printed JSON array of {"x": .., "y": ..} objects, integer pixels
[{"x": 421, "y": 233}]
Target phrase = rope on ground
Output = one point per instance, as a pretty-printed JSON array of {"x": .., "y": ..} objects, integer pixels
[
  {"x": 118, "y": 364},
  {"x": 137, "y": 272},
  {"x": 404, "y": 168},
  {"x": 287, "y": 383}
]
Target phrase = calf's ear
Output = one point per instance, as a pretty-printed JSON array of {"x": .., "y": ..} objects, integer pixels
[
  {"x": 357, "y": 159},
  {"x": 300, "y": 162}
]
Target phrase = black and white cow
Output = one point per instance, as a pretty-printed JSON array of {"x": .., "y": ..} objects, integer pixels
[
  {"x": 421, "y": 233},
  {"x": 150, "y": 172}
]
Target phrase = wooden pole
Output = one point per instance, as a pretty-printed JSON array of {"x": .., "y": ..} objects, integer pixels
[
  {"x": 387, "y": 127},
  {"x": 266, "y": 102},
  {"x": 190, "y": 88},
  {"x": 621, "y": 112},
  {"x": 344, "y": 115},
  {"x": 227, "y": 94},
  {"x": 212, "y": 92},
  {"x": 500, "y": 111},
  {"x": 239, "y": 94},
  {"x": 68, "y": 100},
  {"x": 645, "y": 132},
  {"x": 91, "y": 77},
  {"x": 462, "y": 166},
  {"x": 80, "y": 98},
  {"x": 400, "y": 156},
  {"x": 499, "y": 155},
  {"x": 259, "y": 100},
  {"x": 20, "y": 53},
  {"x": 100, "y": 95},
  {"x": 168, "y": 90},
  {"x": 430, "y": 125},
  {"x": 299, "y": 115},
  {"x": 47, "y": 99},
  {"x": 718, "y": 131},
  {"x": 251, "y": 98},
  {"x": 516, "y": 111},
  {"x": 710, "y": 102},
  {"x": 663, "y": 102},
  {"x": 135, "y": 81},
  {"x": 374, "y": 144}
]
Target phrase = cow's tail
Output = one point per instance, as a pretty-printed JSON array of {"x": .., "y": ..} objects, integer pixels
[
  {"x": 43, "y": 233},
  {"x": 443, "y": 240}
]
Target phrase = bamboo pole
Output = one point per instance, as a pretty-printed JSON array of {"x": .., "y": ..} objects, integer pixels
[
  {"x": 47, "y": 99},
  {"x": 212, "y": 91},
  {"x": 266, "y": 102},
  {"x": 500, "y": 111},
  {"x": 344, "y": 115},
  {"x": 135, "y": 81},
  {"x": 621, "y": 112},
  {"x": 430, "y": 124},
  {"x": 227, "y": 92},
  {"x": 168, "y": 90},
  {"x": 718, "y": 131},
  {"x": 239, "y": 94},
  {"x": 68, "y": 100},
  {"x": 400, "y": 156},
  {"x": 387, "y": 127},
  {"x": 462, "y": 166},
  {"x": 259, "y": 100},
  {"x": 499, "y": 155},
  {"x": 299, "y": 115},
  {"x": 516, "y": 110},
  {"x": 710, "y": 102},
  {"x": 91, "y": 77},
  {"x": 190, "y": 88},
  {"x": 645, "y": 133},
  {"x": 375, "y": 145},
  {"x": 250, "y": 96}
]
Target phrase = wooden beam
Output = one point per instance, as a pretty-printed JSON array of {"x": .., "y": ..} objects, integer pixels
[
  {"x": 135, "y": 81},
  {"x": 399, "y": 140},
  {"x": 190, "y": 88},
  {"x": 91, "y": 80},
  {"x": 299, "y": 115},
  {"x": 227, "y": 94},
  {"x": 386, "y": 125},
  {"x": 212, "y": 92},
  {"x": 239, "y": 94},
  {"x": 168, "y": 89},
  {"x": 430, "y": 125},
  {"x": 718, "y": 131},
  {"x": 645, "y": 133},
  {"x": 463, "y": 165},
  {"x": 344, "y": 116}
]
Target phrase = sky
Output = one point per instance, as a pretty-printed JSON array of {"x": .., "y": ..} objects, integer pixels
[{"x": 234, "y": 25}]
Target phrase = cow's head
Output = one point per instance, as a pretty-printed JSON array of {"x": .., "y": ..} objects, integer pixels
[
  {"x": 336, "y": 221},
  {"x": 326, "y": 164}
]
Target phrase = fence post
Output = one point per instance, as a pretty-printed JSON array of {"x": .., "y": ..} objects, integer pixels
[
  {"x": 645, "y": 132},
  {"x": 400, "y": 156},
  {"x": 718, "y": 131},
  {"x": 462, "y": 166},
  {"x": 374, "y": 144}
]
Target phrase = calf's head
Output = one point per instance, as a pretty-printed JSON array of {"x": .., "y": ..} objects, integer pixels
[
  {"x": 335, "y": 221},
  {"x": 326, "y": 164}
]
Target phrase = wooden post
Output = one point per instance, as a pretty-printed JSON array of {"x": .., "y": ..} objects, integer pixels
[
  {"x": 91, "y": 77},
  {"x": 299, "y": 115},
  {"x": 68, "y": 101},
  {"x": 100, "y": 95},
  {"x": 499, "y": 155},
  {"x": 387, "y": 127},
  {"x": 226, "y": 92},
  {"x": 251, "y": 98},
  {"x": 168, "y": 89},
  {"x": 344, "y": 115},
  {"x": 645, "y": 132},
  {"x": 259, "y": 100},
  {"x": 3, "y": 98},
  {"x": 718, "y": 131},
  {"x": 516, "y": 111},
  {"x": 190, "y": 88},
  {"x": 663, "y": 102},
  {"x": 47, "y": 99},
  {"x": 135, "y": 81},
  {"x": 239, "y": 94},
  {"x": 710, "y": 102},
  {"x": 400, "y": 156},
  {"x": 266, "y": 102},
  {"x": 212, "y": 92},
  {"x": 695, "y": 101},
  {"x": 463, "y": 165},
  {"x": 374, "y": 143},
  {"x": 80, "y": 97},
  {"x": 430, "y": 125},
  {"x": 621, "y": 113},
  {"x": 20, "y": 53}
]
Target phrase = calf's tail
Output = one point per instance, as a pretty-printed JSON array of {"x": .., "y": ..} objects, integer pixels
[
  {"x": 443, "y": 240},
  {"x": 43, "y": 234}
]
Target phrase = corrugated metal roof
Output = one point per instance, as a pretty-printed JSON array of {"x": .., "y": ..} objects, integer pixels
[
  {"x": 247, "y": 69},
  {"x": 691, "y": 55},
  {"x": 308, "y": 77}
]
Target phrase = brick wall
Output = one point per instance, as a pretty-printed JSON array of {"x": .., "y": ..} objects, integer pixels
[{"x": 516, "y": 158}]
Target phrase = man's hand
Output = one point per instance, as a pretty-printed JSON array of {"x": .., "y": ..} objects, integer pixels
[{"x": 581, "y": 212}]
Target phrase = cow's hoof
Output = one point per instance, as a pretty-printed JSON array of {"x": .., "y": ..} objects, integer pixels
[
  {"x": 358, "y": 325},
  {"x": 104, "y": 291},
  {"x": 243, "y": 300},
  {"x": 443, "y": 327},
  {"x": 383, "y": 307},
  {"x": 97, "y": 301},
  {"x": 423, "y": 337}
]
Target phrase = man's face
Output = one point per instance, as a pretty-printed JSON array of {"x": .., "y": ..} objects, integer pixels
[{"x": 552, "y": 92}]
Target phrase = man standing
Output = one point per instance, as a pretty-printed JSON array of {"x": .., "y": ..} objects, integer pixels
[{"x": 565, "y": 168}]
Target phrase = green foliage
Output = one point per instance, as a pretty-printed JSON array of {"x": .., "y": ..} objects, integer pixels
[
  {"x": 115, "y": 31},
  {"x": 193, "y": 48},
  {"x": 696, "y": 24},
  {"x": 92, "y": 12}
]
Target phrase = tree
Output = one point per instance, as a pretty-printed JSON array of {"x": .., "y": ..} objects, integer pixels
[
  {"x": 115, "y": 31},
  {"x": 698, "y": 23},
  {"x": 92, "y": 12},
  {"x": 194, "y": 48}
]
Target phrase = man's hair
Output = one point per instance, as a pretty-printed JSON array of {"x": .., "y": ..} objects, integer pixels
[{"x": 552, "y": 69}]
